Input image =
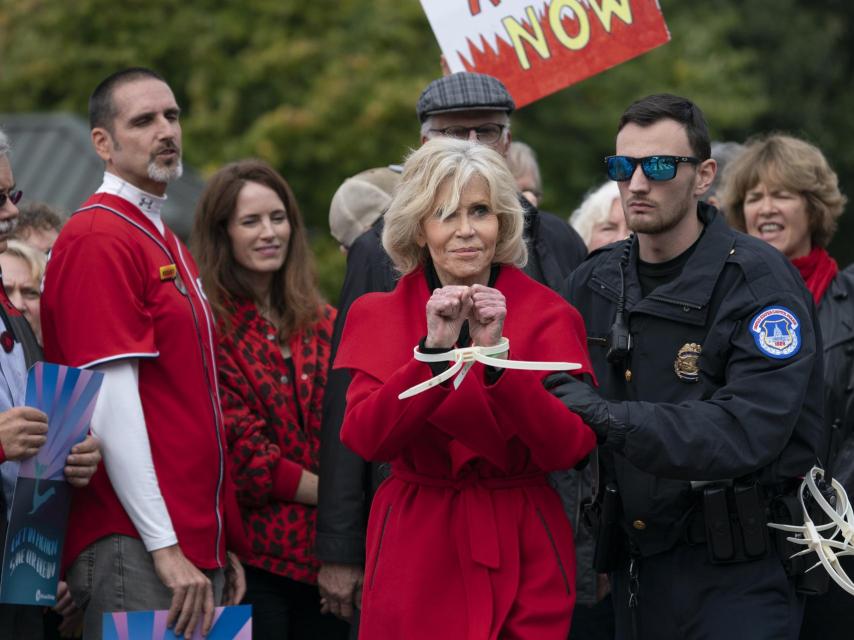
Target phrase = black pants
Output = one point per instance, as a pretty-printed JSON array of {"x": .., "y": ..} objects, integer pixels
[
  {"x": 830, "y": 616},
  {"x": 20, "y": 621},
  {"x": 593, "y": 623},
  {"x": 51, "y": 625},
  {"x": 682, "y": 596},
  {"x": 284, "y": 609}
]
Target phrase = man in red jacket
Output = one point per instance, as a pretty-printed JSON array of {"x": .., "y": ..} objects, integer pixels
[{"x": 122, "y": 296}]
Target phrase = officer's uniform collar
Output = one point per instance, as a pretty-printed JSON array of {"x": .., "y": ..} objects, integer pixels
[{"x": 704, "y": 265}]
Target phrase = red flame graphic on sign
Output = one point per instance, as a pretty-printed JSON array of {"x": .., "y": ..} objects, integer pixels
[{"x": 564, "y": 66}]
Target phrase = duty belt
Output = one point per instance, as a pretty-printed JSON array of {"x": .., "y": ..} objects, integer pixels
[{"x": 731, "y": 521}]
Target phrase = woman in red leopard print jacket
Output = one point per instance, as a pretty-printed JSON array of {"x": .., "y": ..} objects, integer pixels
[{"x": 274, "y": 341}]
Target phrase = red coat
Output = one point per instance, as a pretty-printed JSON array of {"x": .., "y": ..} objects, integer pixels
[
  {"x": 466, "y": 539},
  {"x": 268, "y": 446}
]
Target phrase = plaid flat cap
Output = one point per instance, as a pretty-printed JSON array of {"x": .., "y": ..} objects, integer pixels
[{"x": 464, "y": 91}]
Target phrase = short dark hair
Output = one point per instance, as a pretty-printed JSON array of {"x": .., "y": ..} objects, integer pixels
[
  {"x": 102, "y": 109},
  {"x": 661, "y": 106}
]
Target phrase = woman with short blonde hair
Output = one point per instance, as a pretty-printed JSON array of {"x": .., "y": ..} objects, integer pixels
[
  {"x": 458, "y": 162},
  {"x": 23, "y": 268},
  {"x": 467, "y": 524}
]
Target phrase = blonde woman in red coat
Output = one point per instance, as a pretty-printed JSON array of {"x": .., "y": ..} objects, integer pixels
[{"x": 466, "y": 539}]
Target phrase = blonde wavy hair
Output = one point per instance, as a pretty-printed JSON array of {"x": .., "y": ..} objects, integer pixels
[
  {"x": 786, "y": 162},
  {"x": 35, "y": 259},
  {"x": 425, "y": 172}
]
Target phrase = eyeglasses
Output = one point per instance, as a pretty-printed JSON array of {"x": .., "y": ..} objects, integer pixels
[
  {"x": 13, "y": 196},
  {"x": 657, "y": 168},
  {"x": 487, "y": 133}
]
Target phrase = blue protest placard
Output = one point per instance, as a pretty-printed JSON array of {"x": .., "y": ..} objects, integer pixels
[
  {"x": 39, "y": 514},
  {"x": 230, "y": 623}
]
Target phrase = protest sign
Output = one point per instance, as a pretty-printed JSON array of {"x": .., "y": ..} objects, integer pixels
[
  {"x": 537, "y": 47},
  {"x": 39, "y": 514},
  {"x": 230, "y": 623}
]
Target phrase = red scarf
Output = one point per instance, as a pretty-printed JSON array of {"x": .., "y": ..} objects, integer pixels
[{"x": 817, "y": 269}]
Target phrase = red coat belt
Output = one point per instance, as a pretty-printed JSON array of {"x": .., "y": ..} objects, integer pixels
[{"x": 475, "y": 492}]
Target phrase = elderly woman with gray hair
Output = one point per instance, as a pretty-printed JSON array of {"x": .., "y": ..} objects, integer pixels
[
  {"x": 466, "y": 539},
  {"x": 600, "y": 219}
]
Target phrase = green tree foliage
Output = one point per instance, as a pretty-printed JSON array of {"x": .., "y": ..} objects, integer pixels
[
  {"x": 326, "y": 89},
  {"x": 321, "y": 90},
  {"x": 804, "y": 62}
]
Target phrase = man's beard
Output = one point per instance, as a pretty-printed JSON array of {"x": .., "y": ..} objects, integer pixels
[
  {"x": 666, "y": 220},
  {"x": 8, "y": 226},
  {"x": 165, "y": 173},
  {"x": 662, "y": 223}
]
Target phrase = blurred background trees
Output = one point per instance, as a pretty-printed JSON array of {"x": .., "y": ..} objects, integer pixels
[{"x": 324, "y": 90}]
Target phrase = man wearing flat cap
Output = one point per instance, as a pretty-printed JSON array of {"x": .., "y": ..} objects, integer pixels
[
  {"x": 469, "y": 106},
  {"x": 477, "y": 107}
]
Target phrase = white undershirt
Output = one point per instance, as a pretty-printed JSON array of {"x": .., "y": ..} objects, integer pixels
[
  {"x": 119, "y": 422},
  {"x": 148, "y": 203}
]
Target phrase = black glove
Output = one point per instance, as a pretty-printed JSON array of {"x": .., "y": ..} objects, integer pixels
[{"x": 600, "y": 415}]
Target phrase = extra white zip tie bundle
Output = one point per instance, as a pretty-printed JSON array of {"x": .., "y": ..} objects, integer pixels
[
  {"x": 465, "y": 358},
  {"x": 831, "y": 540}
]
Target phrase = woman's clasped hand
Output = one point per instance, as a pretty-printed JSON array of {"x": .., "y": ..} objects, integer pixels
[{"x": 450, "y": 306}]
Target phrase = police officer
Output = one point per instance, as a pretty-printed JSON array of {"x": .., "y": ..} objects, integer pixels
[{"x": 709, "y": 399}]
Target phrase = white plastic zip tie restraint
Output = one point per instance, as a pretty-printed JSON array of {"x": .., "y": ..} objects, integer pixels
[
  {"x": 465, "y": 357},
  {"x": 841, "y": 530}
]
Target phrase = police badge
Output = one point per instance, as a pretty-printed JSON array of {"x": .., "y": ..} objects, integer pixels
[{"x": 686, "y": 366}]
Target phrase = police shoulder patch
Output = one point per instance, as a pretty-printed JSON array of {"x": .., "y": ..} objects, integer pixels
[{"x": 777, "y": 332}]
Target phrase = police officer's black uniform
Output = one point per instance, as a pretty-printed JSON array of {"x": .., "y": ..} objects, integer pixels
[{"x": 723, "y": 382}]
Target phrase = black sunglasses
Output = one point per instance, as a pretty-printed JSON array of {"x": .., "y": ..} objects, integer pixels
[
  {"x": 13, "y": 196},
  {"x": 657, "y": 168}
]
